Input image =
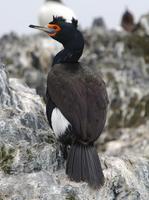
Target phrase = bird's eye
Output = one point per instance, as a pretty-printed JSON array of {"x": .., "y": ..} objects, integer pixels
[{"x": 55, "y": 27}]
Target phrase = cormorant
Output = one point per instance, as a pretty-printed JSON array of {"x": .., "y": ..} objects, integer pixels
[
  {"x": 76, "y": 103},
  {"x": 127, "y": 21},
  {"x": 141, "y": 27}
]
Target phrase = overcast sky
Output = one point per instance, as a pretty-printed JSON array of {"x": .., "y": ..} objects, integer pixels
[{"x": 16, "y": 15}]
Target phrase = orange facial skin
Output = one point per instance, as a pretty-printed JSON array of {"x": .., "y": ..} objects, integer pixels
[{"x": 56, "y": 27}]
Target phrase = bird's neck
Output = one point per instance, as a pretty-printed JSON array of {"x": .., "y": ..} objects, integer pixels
[
  {"x": 72, "y": 51},
  {"x": 67, "y": 56}
]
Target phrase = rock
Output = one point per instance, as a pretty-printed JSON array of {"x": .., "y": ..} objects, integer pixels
[
  {"x": 29, "y": 58},
  {"x": 142, "y": 27},
  {"x": 128, "y": 175},
  {"x": 126, "y": 178},
  {"x": 99, "y": 22},
  {"x": 126, "y": 141},
  {"x": 23, "y": 126},
  {"x": 144, "y": 22},
  {"x": 31, "y": 166}
]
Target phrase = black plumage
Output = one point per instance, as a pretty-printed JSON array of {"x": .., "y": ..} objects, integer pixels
[
  {"x": 81, "y": 96},
  {"x": 79, "y": 92},
  {"x": 127, "y": 21}
]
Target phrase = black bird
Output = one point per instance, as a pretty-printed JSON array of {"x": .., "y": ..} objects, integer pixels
[
  {"x": 76, "y": 103},
  {"x": 127, "y": 21}
]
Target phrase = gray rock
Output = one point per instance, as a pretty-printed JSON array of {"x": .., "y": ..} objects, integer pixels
[
  {"x": 29, "y": 58},
  {"x": 23, "y": 127},
  {"x": 126, "y": 178},
  {"x": 142, "y": 27},
  {"x": 31, "y": 166},
  {"x": 99, "y": 22}
]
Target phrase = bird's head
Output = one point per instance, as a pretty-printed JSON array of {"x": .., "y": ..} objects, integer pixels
[{"x": 60, "y": 30}]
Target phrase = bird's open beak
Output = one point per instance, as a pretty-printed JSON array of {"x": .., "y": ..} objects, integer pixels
[{"x": 51, "y": 29}]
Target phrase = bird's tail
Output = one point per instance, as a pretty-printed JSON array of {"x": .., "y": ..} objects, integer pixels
[{"x": 83, "y": 164}]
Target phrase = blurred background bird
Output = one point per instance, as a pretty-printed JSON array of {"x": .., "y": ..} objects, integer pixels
[
  {"x": 127, "y": 21},
  {"x": 52, "y": 8}
]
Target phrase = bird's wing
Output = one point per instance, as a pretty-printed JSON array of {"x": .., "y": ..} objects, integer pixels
[{"x": 76, "y": 97}]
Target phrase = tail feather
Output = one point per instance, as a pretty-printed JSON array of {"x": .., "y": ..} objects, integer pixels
[
  {"x": 70, "y": 162},
  {"x": 93, "y": 173},
  {"x": 89, "y": 166},
  {"x": 79, "y": 155},
  {"x": 98, "y": 168},
  {"x": 83, "y": 165},
  {"x": 77, "y": 165},
  {"x": 83, "y": 168}
]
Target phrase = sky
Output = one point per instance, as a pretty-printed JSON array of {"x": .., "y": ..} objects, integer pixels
[{"x": 16, "y": 15}]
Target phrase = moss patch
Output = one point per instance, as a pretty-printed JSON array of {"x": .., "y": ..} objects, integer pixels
[
  {"x": 29, "y": 154},
  {"x": 8, "y": 61},
  {"x": 116, "y": 120},
  {"x": 70, "y": 197},
  {"x": 139, "y": 45},
  {"x": 140, "y": 112},
  {"x": 6, "y": 158}
]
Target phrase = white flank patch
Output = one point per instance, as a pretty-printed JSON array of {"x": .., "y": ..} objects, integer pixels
[{"x": 59, "y": 122}]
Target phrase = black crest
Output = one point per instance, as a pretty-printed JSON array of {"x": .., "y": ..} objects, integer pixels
[
  {"x": 74, "y": 22},
  {"x": 58, "y": 19}
]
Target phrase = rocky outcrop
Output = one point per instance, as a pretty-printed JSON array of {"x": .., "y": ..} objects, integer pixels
[
  {"x": 22, "y": 125},
  {"x": 29, "y": 58},
  {"x": 126, "y": 178},
  {"x": 31, "y": 166}
]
